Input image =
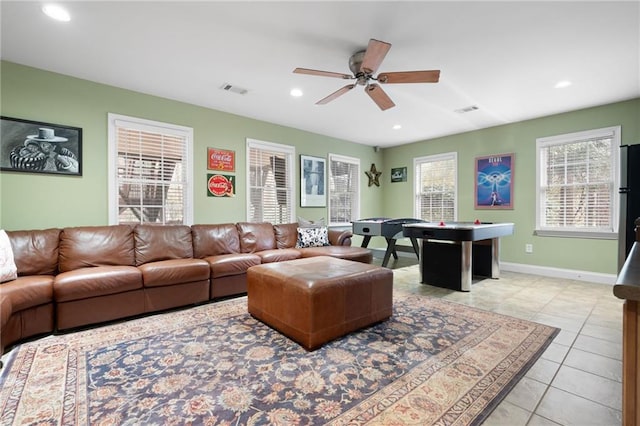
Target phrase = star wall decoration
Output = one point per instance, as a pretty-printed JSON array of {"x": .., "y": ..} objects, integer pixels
[{"x": 373, "y": 174}]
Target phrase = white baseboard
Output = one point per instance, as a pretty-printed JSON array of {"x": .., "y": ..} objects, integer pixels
[
  {"x": 545, "y": 271},
  {"x": 571, "y": 274}
]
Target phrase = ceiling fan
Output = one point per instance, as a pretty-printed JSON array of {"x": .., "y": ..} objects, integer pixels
[{"x": 363, "y": 65}]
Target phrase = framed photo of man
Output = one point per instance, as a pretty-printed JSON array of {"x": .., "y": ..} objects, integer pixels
[{"x": 38, "y": 147}]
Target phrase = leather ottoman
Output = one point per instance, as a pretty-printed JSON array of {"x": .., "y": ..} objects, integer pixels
[{"x": 315, "y": 300}]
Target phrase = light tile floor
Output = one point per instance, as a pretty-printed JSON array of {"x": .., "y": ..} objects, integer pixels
[{"x": 578, "y": 380}]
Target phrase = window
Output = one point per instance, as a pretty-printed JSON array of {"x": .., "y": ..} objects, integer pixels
[
  {"x": 577, "y": 184},
  {"x": 435, "y": 187},
  {"x": 150, "y": 177},
  {"x": 270, "y": 182},
  {"x": 344, "y": 189}
]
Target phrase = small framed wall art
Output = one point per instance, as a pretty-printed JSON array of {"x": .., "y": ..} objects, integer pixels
[
  {"x": 494, "y": 182},
  {"x": 222, "y": 160},
  {"x": 37, "y": 147},
  {"x": 313, "y": 181},
  {"x": 219, "y": 185},
  {"x": 399, "y": 174}
]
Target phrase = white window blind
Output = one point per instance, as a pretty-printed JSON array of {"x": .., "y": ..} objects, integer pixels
[
  {"x": 270, "y": 182},
  {"x": 436, "y": 187},
  {"x": 577, "y": 182},
  {"x": 149, "y": 172},
  {"x": 344, "y": 189}
]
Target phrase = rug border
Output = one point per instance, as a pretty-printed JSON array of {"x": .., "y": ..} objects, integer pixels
[{"x": 489, "y": 409}]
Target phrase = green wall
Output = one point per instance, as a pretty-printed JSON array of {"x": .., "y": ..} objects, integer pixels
[
  {"x": 519, "y": 138},
  {"x": 38, "y": 201},
  {"x": 31, "y": 201}
]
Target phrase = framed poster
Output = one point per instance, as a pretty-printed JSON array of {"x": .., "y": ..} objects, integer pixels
[
  {"x": 37, "y": 147},
  {"x": 221, "y": 185},
  {"x": 494, "y": 182},
  {"x": 223, "y": 160},
  {"x": 399, "y": 174},
  {"x": 313, "y": 181}
]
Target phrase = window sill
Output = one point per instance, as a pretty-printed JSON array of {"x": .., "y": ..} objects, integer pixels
[
  {"x": 576, "y": 234},
  {"x": 340, "y": 226}
]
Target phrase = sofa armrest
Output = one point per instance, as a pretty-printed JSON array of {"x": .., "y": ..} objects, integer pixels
[
  {"x": 340, "y": 237},
  {"x": 6, "y": 309}
]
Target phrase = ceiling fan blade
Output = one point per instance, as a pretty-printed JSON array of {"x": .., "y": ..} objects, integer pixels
[
  {"x": 432, "y": 76},
  {"x": 336, "y": 94},
  {"x": 379, "y": 96},
  {"x": 322, "y": 73},
  {"x": 375, "y": 53}
]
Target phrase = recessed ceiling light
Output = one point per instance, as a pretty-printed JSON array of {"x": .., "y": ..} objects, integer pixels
[
  {"x": 296, "y": 93},
  {"x": 562, "y": 84},
  {"x": 56, "y": 12},
  {"x": 397, "y": 127}
]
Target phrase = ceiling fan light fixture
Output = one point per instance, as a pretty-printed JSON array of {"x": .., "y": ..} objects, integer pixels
[
  {"x": 296, "y": 93},
  {"x": 397, "y": 126},
  {"x": 363, "y": 65}
]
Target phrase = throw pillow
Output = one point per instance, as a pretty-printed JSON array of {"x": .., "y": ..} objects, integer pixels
[
  {"x": 304, "y": 223},
  {"x": 312, "y": 237},
  {"x": 8, "y": 269}
]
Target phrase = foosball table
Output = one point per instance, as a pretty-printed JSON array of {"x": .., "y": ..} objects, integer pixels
[{"x": 390, "y": 229}]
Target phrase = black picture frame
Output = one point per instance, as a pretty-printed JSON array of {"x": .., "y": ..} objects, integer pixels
[
  {"x": 398, "y": 174},
  {"x": 39, "y": 147},
  {"x": 313, "y": 181}
]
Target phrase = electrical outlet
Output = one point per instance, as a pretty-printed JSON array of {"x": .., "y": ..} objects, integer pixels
[{"x": 528, "y": 248}]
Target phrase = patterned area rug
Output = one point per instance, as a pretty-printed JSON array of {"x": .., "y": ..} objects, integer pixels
[{"x": 434, "y": 362}]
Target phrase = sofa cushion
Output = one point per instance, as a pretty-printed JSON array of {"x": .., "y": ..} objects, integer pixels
[
  {"x": 231, "y": 264},
  {"x": 87, "y": 283},
  {"x": 154, "y": 243},
  {"x": 278, "y": 255},
  {"x": 27, "y": 292},
  {"x": 312, "y": 237},
  {"x": 35, "y": 252},
  {"x": 357, "y": 254},
  {"x": 87, "y": 246},
  {"x": 286, "y": 235},
  {"x": 256, "y": 236},
  {"x": 212, "y": 240},
  {"x": 174, "y": 271}
]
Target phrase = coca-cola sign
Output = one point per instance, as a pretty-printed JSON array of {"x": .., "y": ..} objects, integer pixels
[
  {"x": 221, "y": 185},
  {"x": 222, "y": 160}
]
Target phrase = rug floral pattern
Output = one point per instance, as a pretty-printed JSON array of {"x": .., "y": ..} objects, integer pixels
[{"x": 433, "y": 362}]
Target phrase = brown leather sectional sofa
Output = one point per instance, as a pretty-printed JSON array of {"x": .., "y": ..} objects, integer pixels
[{"x": 79, "y": 276}]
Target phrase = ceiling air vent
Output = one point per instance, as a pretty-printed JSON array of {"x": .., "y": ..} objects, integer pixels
[
  {"x": 466, "y": 109},
  {"x": 235, "y": 89}
]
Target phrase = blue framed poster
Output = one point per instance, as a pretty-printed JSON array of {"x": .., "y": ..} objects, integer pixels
[{"x": 494, "y": 182}]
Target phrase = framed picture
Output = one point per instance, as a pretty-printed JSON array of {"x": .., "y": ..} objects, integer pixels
[
  {"x": 313, "y": 181},
  {"x": 399, "y": 174},
  {"x": 221, "y": 185},
  {"x": 37, "y": 147},
  {"x": 223, "y": 160},
  {"x": 494, "y": 182}
]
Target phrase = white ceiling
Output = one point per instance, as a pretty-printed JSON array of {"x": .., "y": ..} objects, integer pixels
[{"x": 503, "y": 57}]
